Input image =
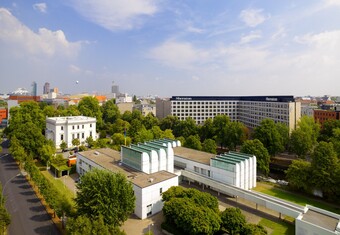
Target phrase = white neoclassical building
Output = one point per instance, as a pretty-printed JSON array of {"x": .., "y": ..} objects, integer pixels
[{"x": 66, "y": 129}]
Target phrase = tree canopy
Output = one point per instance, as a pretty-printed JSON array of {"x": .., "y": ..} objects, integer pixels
[
  {"x": 105, "y": 193},
  {"x": 255, "y": 147},
  {"x": 269, "y": 136},
  {"x": 201, "y": 210}
]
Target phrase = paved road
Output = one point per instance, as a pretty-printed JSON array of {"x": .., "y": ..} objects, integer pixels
[{"x": 28, "y": 215}]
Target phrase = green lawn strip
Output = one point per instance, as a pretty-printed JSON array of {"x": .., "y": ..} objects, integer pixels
[
  {"x": 296, "y": 198},
  {"x": 278, "y": 227},
  {"x": 60, "y": 186}
]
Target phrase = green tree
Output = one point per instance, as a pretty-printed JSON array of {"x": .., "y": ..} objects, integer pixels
[
  {"x": 207, "y": 130},
  {"x": 63, "y": 145},
  {"x": 127, "y": 116},
  {"x": 327, "y": 129},
  {"x": 193, "y": 142},
  {"x": 90, "y": 142},
  {"x": 110, "y": 111},
  {"x": 46, "y": 151},
  {"x": 169, "y": 122},
  {"x": 75, "y": 142},
  {"x": 150, "y": 121},
  {"x": 233, "y": 221},
  {"x": 235, "y": 133},
  {"x": 255, "y": 147},
  {"x": 195, "y": 220},
  {"x": 5, "y": 218},
  {"x": 201, "y": 210},
  {"x": 209, "y": 145},
  {"x": 143, "y": 135},
  {"x": 18, "y": 152},
  {"x": 298, "y": 175},
  {"x": 118, "y": 139},
  {"x": 300, "y": 143},
  {"x": 186, "y": 128},
  {"x": 324, "y": 162},
  {"x": 220, "y": 123},
  {"x": 89, "y": 106},
  {"x": 83, "y": 225},
  {"x": 105, "y": 193},
  {"x": 168, "y": 134},
  {"x": 269, "y": 136},
  {"x": 253, "y": 229},
  {"x": 58, "y": 160},
  {"x": 284, "y": 133}
]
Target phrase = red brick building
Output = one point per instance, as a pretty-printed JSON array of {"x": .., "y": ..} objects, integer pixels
[
  {"x": 23, "y": 98},
  {"x": 324, "y": 115}
]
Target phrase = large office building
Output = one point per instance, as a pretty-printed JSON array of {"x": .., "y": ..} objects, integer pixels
[
  {"x": 250, "y": 110},
  {"x": 46, "y": 89},
  {"x": 59, "y": 129}
]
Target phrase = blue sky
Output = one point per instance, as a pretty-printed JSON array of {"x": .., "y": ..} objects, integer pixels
[{"x": 172, "y": 47}]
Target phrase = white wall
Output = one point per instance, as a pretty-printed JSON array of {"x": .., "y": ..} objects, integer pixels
[{"x": 151, "y": 196}]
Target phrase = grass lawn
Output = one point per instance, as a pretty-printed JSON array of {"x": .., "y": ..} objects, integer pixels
[
  {"x": 293, "y": 197},
  {"x": 278, "y": 227},
  {"x": 60, "y": 186}
]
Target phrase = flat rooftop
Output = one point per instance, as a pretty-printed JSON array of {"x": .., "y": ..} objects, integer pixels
[
  {"x": 110, "y": 159},
  {"x": 70, "y": 118},
  {"x": 320, "y": 219},
  {"x": 193, "y": 155}
]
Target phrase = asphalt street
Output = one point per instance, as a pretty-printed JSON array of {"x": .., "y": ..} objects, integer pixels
[{"x": 28, "y": 215}]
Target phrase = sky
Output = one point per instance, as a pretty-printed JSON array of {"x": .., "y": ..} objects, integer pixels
[{"x": 172, "y": 47}]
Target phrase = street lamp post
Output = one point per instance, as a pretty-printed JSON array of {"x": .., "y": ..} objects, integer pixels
[{"x": 3, "y": 189}]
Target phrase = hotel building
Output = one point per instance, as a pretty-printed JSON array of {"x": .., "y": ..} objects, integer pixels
[{"x": 250, "y": 110}]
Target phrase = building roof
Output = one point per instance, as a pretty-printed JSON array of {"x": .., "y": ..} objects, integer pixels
[
  {"x": 193, "y": 155},
  {"x": 235, "y": 98},
  {"x": 110, "y": 159},
  {"x": 70, "y": 118},
  {"x": 321, "y": 220}
]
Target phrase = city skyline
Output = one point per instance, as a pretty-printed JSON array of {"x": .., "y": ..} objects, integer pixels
[{"x": 168, "y": 48}]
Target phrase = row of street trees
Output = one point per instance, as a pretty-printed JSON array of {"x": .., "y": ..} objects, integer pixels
[{"x": 5, "y": 218}]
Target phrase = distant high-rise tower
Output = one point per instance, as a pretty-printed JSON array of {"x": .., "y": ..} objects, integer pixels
[
  {"x": 46, "y": 88},
  {"x": 34, "y": 89},
  {"x": 114, "y": 88}
]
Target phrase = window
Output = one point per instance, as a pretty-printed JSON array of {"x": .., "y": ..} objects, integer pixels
[
  {"x": 78, "y": 136},
  {"x": 78, "y": 127},
  {"x": 72, "y": 127},
  {"x": 61, "y": 137},
  {"x": 91, "y": 133},
  {"x": 82, "y": 135},
  {"x": 62, "y": 128},
  {"x": 160, "y": 191},
  {"x": 82, "y": 126},
  {"x": 90, "y": 125},
  {"x": 149, "y": 210}
]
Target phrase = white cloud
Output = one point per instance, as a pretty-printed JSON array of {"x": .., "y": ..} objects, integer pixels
[
  {"x": 195, "y": 78},
  {"x": 330, "y": 3},
  {"x": 253, "y": 17},
  {"x": 115, "y": 14},
  {"x": 253, "y": 35},
  {"x": 179, "y": 54},
  {"x": 42, "y": 7},
  {"x": 45, "y": 42}
]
